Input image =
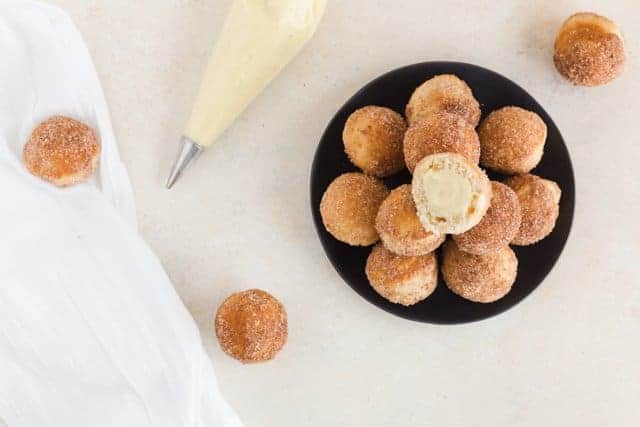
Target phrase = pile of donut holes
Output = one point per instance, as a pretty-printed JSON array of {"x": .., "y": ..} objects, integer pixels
[{"x": 442, "y": 116}]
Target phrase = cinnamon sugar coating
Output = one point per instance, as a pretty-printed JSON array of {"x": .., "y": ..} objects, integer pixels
[
  {"x": 62, "y": 151},
  {"x": 251, "y": 326}
]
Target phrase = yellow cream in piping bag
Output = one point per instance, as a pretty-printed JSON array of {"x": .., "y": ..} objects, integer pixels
[{"x": 258, "y": 39}]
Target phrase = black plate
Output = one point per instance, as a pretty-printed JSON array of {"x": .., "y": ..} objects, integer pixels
[{"x": 492, "y": 91}]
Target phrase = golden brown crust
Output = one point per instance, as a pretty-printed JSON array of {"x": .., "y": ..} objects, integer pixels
[
  {"x": 540, "y": 203},
  {"x": 445, "y": 93},
  {"x": 400, "y": 228},
  {"x": 349, "y": 207},
  {"x": 251, "y": 326},
  {"x": 373, "y": 140},
  {"x": 589, "y": 50},
  {"x": 479, "y": 278},
  {"x": 399, "y": 279},
  {"x": 499, "y": 225},
  {"x": 512, "y": 140},
  {"x": 440, "y": 133},
  {"x": 62, "y": 151}
]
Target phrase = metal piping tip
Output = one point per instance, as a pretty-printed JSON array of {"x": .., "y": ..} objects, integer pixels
[{"x": 189, "y": 152}]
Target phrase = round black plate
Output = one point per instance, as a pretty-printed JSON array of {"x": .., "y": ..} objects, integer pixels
[{"x": 492, "y": 91}]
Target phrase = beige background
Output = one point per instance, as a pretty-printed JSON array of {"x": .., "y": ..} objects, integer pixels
[{"x": 569, "y": 355}]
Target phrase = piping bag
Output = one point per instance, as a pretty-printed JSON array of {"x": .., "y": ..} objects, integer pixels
[{"x": 258, "y": 39}]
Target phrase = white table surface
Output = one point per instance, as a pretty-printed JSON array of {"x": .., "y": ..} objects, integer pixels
[{"x": 568, "y": 355}]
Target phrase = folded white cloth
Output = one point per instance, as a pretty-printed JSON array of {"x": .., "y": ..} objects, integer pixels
[{"x": 92, "y": 332}]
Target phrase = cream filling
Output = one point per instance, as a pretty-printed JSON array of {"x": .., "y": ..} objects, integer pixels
[
  {"x": 258, "y": 39},
  {"x": 449, "y": 194}
]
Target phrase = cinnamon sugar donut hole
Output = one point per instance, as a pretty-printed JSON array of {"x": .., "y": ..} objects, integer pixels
[
  {"x": 400, "y": 228},
  {"x": 540, "y": 202},
  {"x": 512, "y": 140},
  {"x": 451, "y": 195},
  {"x": 251, "y": 326},
  {"x": 479, "y": 278},
  {"x": 445, "y": 93},
  {"x": 498, "y": 227},
  {"x": 349, "y": 208},
  {"x": 372, "y": 139},
  {"x": 399, "y": 279},
  {"x": 62, "y": 151},
  {"x": 589, "y": 50},
  {"x": 440, "y": 133}
]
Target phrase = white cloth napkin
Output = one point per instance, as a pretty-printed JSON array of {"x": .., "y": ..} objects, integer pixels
[{"x": 92, "y": 332}]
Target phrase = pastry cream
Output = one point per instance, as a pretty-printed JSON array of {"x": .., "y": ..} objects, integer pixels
[
  {"x": 449, "y": 193},
  {"x": 258, "y": 39}
]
